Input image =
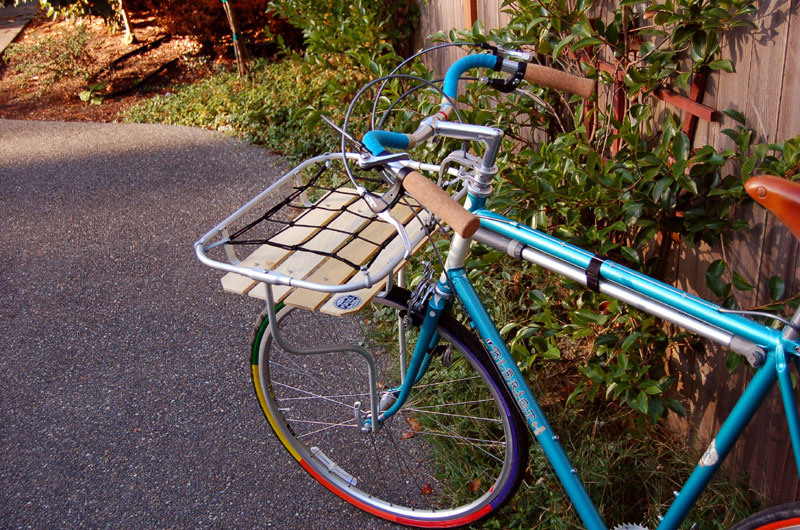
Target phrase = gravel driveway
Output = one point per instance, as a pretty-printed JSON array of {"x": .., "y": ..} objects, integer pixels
[{"x": 126, "y": 399}]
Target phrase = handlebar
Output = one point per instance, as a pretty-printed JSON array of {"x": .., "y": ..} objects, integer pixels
[
  {"x": 424, "y": 190},
  {"x": 559, "y": 80},
  {"x": 438, "y": 201}
]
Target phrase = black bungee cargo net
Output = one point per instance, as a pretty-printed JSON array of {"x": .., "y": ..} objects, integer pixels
[{"x": 280, "y": 222}]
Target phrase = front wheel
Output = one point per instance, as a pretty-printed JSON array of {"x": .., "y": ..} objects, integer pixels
[
  {"x": 781, "y": 517},
  {"x": 454, "y": 453}
]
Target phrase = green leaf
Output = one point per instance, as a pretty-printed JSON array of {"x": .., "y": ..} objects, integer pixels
[
  {"x": 477, "y": 29},
  {"x": 716, "y": 269},
  {"x": 748, "y": 166},
  {"x": 732, "y": 361},
  {"x": 791, "y": 151},
  {"x": 594, "y": 373},
  {"x": 740, "y": 283},
  {"x": 682, "y": 81},
  {"x": 630, "y": 254},
  {"x": 735, "y": 114},
  {"x": 587, "y": 315},
  {"x": 623, "y": 361},
  {"x": 641, "y": 401},
  {"x": 552, "y": 353},
  {"x": 722, "y": 64},
  {"x": 583, "y": 29},
  {"x": 681, "y": 147},
  {"x": 585, "y": 43},
  {"x": 508, "y": 327},
  {"x": 558, "y": 50},
  {"x": 655, "y": 410},
  {"x": 630, "y": 341},
  {"x": 653, "y": 389},
  {"x": 682, "y": 33},
  {"x": 698, "y": 47},
  {"x": 685, "y": 182},
  {"x": 776, "y": 288},
  {"x": 675, "y": 406}
]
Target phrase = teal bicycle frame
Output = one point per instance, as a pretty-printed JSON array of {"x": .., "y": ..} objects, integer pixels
[
  {"x": 769, "y": 348},
  {"x": 764, "y": 347}
]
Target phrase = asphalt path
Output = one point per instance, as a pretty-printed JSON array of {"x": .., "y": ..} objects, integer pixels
[{"x": 125, "y": 396}]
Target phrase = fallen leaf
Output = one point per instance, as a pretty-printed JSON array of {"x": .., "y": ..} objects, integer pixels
[{"x": 414, "y": 423}]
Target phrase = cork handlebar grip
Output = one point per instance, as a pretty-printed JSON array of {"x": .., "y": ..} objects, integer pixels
[
  {"x": 552, "y": 78},
  {"x": 441, "y": 203}
]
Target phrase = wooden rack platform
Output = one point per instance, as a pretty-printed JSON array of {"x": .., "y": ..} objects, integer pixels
[{"x": 329, "y": 229}]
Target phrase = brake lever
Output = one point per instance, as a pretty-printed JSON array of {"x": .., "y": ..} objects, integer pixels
[
  {"x": 380, "y": 206},
  {"x": 370, "y": 161}
]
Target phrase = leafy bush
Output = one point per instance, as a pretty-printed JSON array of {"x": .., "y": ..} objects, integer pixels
[
  {"x": 279, "y": 106},
  {"x": 52, "y": 57},
  {"x": 631, "y": 476},
  {"x": 631, "y": 204},
  {"x": 354, "y": 29},
  {"x": 265, "y": 108}
]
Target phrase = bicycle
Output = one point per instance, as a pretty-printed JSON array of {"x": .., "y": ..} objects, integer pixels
[{"x": 441, "y": 439}]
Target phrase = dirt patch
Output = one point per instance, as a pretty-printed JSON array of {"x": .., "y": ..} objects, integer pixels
[{"x": 49, "y": 65}]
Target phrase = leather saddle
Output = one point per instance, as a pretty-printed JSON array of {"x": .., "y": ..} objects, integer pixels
[{"x": 780, "y": 196}]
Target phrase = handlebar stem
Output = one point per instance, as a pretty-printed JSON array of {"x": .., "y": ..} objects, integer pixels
[{"x": 491, "y": 137}]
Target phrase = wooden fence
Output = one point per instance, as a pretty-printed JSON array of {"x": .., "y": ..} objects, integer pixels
[{"x": 766, "y": 89}]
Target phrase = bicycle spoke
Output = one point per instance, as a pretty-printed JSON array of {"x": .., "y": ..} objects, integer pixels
[{"x": 313, "y": 396}]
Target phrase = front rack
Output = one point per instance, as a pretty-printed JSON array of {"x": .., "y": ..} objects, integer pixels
[{"x": 320, "y": 247}]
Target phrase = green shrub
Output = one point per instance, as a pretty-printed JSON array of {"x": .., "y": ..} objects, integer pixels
[
  {"x": 630, "y": 204},
  {"x": 630, "y": 475},
  {"x": 50, "y": 58},
  {"x": 267, "y": 108}
]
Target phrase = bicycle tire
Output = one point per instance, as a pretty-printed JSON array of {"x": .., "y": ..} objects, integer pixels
[
  {"x": 365, "y": 468},
  {"x": 782, "y": 517}
]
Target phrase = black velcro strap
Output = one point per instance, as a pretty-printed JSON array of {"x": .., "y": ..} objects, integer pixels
[{"x": 593, "y": 272}]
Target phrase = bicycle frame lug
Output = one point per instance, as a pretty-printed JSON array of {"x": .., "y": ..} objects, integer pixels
[{"x": 756, "y": 357}]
